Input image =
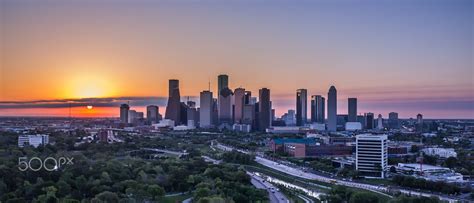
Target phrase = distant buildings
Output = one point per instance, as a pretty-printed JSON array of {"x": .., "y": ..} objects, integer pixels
[
  {"x": 371, "y": 155},
  {"x": 124, "y": 113},
  {"x": 317, "y": 109},
  {"x": 225, "y": 106},
  {"x": 309, "y": 147},
  {"x": 222, "y": 82},
  {"x": 264, "y": 108},
  {"x": 205, "y": 111},
  {"x": 393, "y": 122},
  {"x": 173, "y": 109},
  {"x": 419, "y": 123},
  {"x": 352, "y": 109},
  {"x": 440, "y": 152},
  {"x": 239, "y": 102},
  {"x": 33, "y": 140},
  {"x": 301, "y": 106},
  {"x": 369, "y": 120},
  {"x": 332, "y": 109},
  {"x": 380, "y": 122},
  {"x": 289, "y": 118},
  {"x": 153, "y": 113}
]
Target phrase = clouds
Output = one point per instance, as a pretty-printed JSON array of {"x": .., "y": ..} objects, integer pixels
[{"x": 96, "y": 102}]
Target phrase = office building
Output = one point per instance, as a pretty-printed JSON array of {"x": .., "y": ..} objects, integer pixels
[
  {"x": 289, "y": 118},
  {"x": 225, "y": 106},
  {"x": 124, "y": 113},
  {"x": 301, "y": 106},
  {"x": 132, "y": 116},
  {"x": 173, "y": 109},
  {"x": 152, "y": 113},
  {"x": 317, "y": 109},
  {"x": 393, "y": 122},
  {"x": 332, "y": 109},
  {"x": 380, "y": 122},
  {"x": 192, "y": 115},
  {"x": 264, "y": 109},
  {"x": 369, "y": 120},
  {"x": 222, "y": 82},
  {"x": 205, "y": 111},
  {"x": 371, "y": 155},
  {"x": 33, "y": 140},
  {"x": 352, "y": 109},
  {"x": 239, "y": 102},
  {"x": 419, "y": 123},
  {"x": 247, "y": 97}
]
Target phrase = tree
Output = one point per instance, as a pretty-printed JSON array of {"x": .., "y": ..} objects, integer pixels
[
  {"x": 155, "y": 191},
  {"x": 107, "y": 197},
  {"x": 363, "y": 197},
  {"x": 450, "y": 162}
]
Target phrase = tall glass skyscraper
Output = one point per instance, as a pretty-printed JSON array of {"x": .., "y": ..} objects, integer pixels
[
  {"x": 173, "y": 109},
  {"x": 352, "y": 109},
  {"x": 301, "y": 106},
  {"x": 332, "y": 109},
  {"x": 317, "y": 109}
]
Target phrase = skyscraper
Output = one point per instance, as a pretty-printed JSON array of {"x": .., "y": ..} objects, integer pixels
[
  {"x": 173, "y": 109},
  {"x": 332, "y": 109},
  {"x": 264, "y": 109},
  {"x": 205, "y": 118},
  {"x": 419, "y": 122},
  {"x": 247, "y": 97},
  {"x": 380, "y": 122},
  {"x": 369, "y": 120},
  {"x": 317, "y": 109},
  {"x": 222, "y": 82},
  {"x": 352, "y": 109},
  {"x": 124, "y": 113},
  {"x": 152, "y": 113},
  {"x": 393, "y": 120},
  {"x": 225, "y": 106},
  {"x": 239, "y": 102},
  {"x": 301, "y": 106}
]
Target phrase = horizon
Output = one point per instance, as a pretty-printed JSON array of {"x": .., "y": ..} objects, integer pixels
[{"x": 407, "y": 57}]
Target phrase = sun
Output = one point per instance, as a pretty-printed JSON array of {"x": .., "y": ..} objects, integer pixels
[
  {"x": 89, "y": 86},
  {"x": 90, "y": 107}
]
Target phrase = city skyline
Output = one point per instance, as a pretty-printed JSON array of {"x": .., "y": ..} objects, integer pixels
[{"x": 405, "y": 57}]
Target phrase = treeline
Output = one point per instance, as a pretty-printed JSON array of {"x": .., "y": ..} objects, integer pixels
[
  {"x": 340, "y": 194},
  {"x": 238, "y": 157},
  {"x": 438, "y": 186}
]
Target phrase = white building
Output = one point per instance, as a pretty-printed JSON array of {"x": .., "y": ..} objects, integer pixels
[
  {"x": 440, "y": 152},
  {"x": 242, "y": 128},
  {"x": 164, "y": 123},
  {"x": 353, "y": 126},
  {"x": 33, "y": 140},
  {"x": 430, "y": 172},
  {"x": 371, "y": 155}
]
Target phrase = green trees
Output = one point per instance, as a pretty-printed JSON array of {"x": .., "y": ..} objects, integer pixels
[
  {"x": 408, "y": 181},
  {"x": 237, "y": 157}
]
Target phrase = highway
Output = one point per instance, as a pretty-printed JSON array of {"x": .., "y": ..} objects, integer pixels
[
  {"x": 311, "y": 176},
  {"x": 275, "y": 196}
]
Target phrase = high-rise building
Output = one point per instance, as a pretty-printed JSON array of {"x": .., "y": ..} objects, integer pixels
[
  {"x": 352, "y": 109},
  {"x": 225, "y": 106},
  {"x": 239, "y": 102},
  {"x": 301, "y": 106},
  {"x": 369, "y": 120},
  {"x": 380, "y": 122},
  {"x": 124, "y": 113},
  {"x": 264, "y": 109},
  {"x": 152, "y": 113},
  {"x": 132, "y": 116},
  {"x": 192, "y": 115},
  {"x": 249, "y": 115},
  {"x": 247, "y": 97},
  {"x": 222, "y": 82},
  {"x": 317, "y": 109},
  {"x": 393, "y": 120},
  {"x": 205, "y": 111},
  {"x": 173, "y": 109},
  {"x": 289, "y": 118},
  {"x": 419, "y": 122},
  {"x": 371, "y": 155},
  {"x": 332, "y": 109},
  {"x": 215, "y": 112}
]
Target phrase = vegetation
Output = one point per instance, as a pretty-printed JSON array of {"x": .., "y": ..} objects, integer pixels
[
  {"x": 110, "y": 173},
  {"x": 409, "y": 181}
]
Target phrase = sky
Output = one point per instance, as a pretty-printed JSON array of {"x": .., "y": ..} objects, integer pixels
[{"x": 407, "y": 56}]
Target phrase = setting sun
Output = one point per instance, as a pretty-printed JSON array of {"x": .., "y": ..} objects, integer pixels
[
  {"x": 89, "y": 86},
  {"x": 90, "y": 107}
]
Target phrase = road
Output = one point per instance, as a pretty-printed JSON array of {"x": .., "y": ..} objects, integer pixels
[
  {"x": 274, "y": 194},
  {"x": 311, "y": 176}
]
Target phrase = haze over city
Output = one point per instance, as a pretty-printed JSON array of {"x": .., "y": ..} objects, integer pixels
[{"x": 406, "y": 56}]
